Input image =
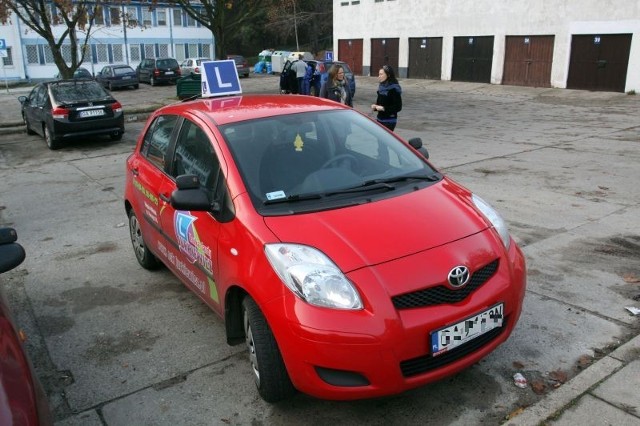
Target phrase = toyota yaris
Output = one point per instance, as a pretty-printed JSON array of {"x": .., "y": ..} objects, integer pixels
[{"x": 347, "y": 263}]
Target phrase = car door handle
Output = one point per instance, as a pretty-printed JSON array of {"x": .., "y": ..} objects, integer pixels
[
  {"x": 165, "y": 198},
  {"x": 135, "y": 171}
]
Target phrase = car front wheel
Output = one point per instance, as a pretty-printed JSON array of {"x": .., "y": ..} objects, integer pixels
[
  {"x": 50, "y": 139},
  {"x": 26, "y": 123},
  {"x": 269, "y": 371},
  {"x": 145, "y": 258},
  {"x": 152, "y": 81}
]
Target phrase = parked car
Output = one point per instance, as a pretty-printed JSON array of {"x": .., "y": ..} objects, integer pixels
[
  {"x": 192, "y": 66},
  {"x": 23, "y": 400},
  {"x": 241, "y": 65},
  {"x": 348, "y": 264},
  {"x": 63, "y": 109},
  {"x": 116, "y": 76},
  {"x": 80, "y": 72},
  {"x": 158, "y": 70}
]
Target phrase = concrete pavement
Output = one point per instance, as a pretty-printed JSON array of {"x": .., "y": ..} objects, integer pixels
[{"x": 603, "y": 392}]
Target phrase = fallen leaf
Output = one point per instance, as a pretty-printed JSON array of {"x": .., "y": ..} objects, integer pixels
[
  {"x": 515, "y": 413},
  {"x": 603, "y": 187},
  {"x": 631, "y": 278},
  {"x": 584, "y": 361},
  {"x": 538, "y": 386},
  {"x": 558, "y": 376},
  {"x": 517, "y": 365}
]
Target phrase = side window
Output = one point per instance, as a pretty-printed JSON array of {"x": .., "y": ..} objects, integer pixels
[
  {"x": 41, "y": 98},
  {"x": 194, "y": 155},
  {"x": 156, "y": 141}
]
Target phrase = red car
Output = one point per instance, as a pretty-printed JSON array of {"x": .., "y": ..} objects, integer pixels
[
  {"x": 22, "y": 400},
  {"x": 348, "y": 264}
]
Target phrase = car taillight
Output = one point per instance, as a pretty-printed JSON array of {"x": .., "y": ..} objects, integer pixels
[
  {"x": 156, "y": 71},
  {"x": 179, "y": 71},
  {"x": 116, "y": 107},
  {"x": 197, "y": 70},
  {"x": 59, "y": 112}
]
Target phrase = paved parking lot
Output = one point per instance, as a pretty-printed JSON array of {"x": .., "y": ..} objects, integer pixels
[{"x": 117, "y": 345}]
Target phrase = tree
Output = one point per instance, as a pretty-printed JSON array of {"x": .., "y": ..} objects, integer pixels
[
  {"x": 309, "y": 21},
  {"x": 75, "y": 17},
  {"x": 224, "y": 18}
]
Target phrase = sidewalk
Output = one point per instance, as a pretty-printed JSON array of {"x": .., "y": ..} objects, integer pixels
[{"x": 605, "y": 393}]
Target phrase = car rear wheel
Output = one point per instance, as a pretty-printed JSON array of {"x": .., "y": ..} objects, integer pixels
[
  {"x": 135, "y": 86},
  {"x": 110, "y": 87},
  {"x": 50, "y": 139},
  {"x": 145, "y": 258},
  {"x": 116, "y": 136},
  {"x": 269, "y": 372}
]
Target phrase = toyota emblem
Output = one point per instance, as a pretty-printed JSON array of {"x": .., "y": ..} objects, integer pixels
[{"x": 459, "y": 276}]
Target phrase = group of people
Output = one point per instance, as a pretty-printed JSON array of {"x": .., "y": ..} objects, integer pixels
[{"x": 388, "y": 102}]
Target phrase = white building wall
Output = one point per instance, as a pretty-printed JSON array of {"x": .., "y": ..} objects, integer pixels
[{"x": 368, "y": 19}]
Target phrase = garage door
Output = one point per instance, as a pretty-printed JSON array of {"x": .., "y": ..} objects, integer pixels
[
  {"x": 350, "y": 51},
  {"x": 527, "y": 61},
  {"x": 472, "y": 58},
  {"x": 425, "y": 58},
  {"x": 384, "y": 51}
]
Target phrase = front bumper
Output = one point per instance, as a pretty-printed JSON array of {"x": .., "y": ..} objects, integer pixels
[{"x": 382, "y": 350}]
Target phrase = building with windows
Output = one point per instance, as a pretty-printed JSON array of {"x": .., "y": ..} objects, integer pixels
[
  {"x": 163, "y": 31},
  {"x": 577, "y": 44}
]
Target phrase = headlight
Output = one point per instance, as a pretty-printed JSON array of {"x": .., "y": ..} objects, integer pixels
[
  {"x": 312, "y": 276},
  {"x": 494, "y": 217}
]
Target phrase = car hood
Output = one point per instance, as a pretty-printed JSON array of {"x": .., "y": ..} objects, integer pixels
[{"x": 381, "y": 231}]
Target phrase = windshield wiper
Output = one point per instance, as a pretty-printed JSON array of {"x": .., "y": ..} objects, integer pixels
[
  {"x": 293, "y": 198},
  {"x": 367, "y": 186},
  {"x": 431, "y": 178}
]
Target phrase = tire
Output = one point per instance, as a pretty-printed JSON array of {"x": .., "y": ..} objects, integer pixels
[
  {"x": 116, "y": 136},
  {"x": 50, "y": 139},
  {"x": 26, "y": 124},
  {"x": 145, "y": 258},
  {"x": 110, "y": 87},
  {"x": 135, "y": 86},
  {"x": 152, "y": 81},
  {"x": 269, "y": 371}
]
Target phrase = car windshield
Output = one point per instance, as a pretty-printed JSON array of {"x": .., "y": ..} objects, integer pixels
[
  {"x": 323, "y": 158},
  {"x": 123, "y": 70},
  {"x": 200, "y": 61},
  {"x": 78, "y": 91}
]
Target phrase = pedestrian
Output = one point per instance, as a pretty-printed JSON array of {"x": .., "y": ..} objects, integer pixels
[
  {"x": 389, "y": 101},
  {"x": 336, "y": 87},
  {"x": 300, "y": 67}
]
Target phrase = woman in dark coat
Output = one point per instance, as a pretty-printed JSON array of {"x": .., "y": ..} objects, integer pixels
[
  {"x": 336, "y": 87},
  {"x": 389, "y": 101}
]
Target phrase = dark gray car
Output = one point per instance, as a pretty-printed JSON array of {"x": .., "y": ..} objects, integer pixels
[
  {"x": 158, "y": 70},
  {"x": 116, "y": 76}
]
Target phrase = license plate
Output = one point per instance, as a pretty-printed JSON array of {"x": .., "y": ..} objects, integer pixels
[
  {"x": 91, "y": 113},
  {"x": 168, "y": 72},
  {"x": 126, "y": 77},
  {"x": 460, "y": 333}
]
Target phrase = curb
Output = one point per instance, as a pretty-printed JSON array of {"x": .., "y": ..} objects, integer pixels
[{"x": 554, "y": 403}]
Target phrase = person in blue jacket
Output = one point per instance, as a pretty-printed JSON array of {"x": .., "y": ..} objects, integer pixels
[{"x": 389, "y": 101}]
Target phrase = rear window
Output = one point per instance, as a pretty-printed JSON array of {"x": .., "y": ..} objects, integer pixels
[
  {"x": 123, "y": 70},
  {"x": 78, "y": 91},
  {"x": 168, "y": 63}
]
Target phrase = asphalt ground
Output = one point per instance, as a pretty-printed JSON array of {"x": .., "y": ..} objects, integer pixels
[{"x": 117, "y": 345}]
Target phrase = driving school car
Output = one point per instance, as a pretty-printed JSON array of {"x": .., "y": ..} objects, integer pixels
[{"x": 347, "y": 263}]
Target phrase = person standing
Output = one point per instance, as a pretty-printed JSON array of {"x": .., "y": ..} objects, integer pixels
[
  {"x": 389, "y": 101},
  {"x": 300, "y": 67},
  {"x": 336, "y": 87}
]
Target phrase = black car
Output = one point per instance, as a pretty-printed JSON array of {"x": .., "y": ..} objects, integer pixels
[
  {"x": 78, "y": 73},
  {"x": 158, "y": 70},
  {"x": 116, "y": 76},
  {"x": 58, "y": 110}
]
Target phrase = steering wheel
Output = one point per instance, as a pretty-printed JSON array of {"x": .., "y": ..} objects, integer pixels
[{"x": 353, "y": 160}]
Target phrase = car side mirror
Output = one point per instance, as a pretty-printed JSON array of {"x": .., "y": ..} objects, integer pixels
[
  {"x": 22, "y": 99},
  {"x": 417, "y": 144}
]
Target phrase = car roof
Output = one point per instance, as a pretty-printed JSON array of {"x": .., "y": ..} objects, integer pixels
[{"x": 225, "y": 110}]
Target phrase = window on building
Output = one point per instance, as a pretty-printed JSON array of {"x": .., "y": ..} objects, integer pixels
[
  {"x": 32, "y": 55},
  {"x": 117, "y": 52},
  {"x": 98, "y": 15},
  {"x": 193, "y": 50},
  {"x": 180, "y": 52},
  {"x": 101, "y": 50},
  {"x": 134, "y": 52},
  {"x": 177, "y": 17},
  {"x": 7, "y": 61},
  {"x": 161, "y": 15},
  {"x": 149, "y": 51},
  {"x": 206, "y": 51},
  {"x": 114, "y": 15},
  {"x": 132, "y": 16},
  {"x": 146, "y": 17},
  {"x": 190, "y": 21},
  {"x": 48, "y": 55},
  {"x": 344, "y": 3},
  {"x": 163, "y": 50},
  {"x": 66, "y": 52}
]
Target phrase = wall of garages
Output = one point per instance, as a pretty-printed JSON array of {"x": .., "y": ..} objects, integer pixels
[{"x": 578, "y": 44}]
